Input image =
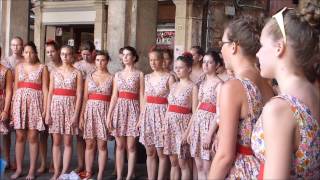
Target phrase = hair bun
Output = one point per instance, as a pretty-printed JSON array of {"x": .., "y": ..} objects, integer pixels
[
  {"x": 310, "y": 13},
  {"x": 187, "y": 54}
]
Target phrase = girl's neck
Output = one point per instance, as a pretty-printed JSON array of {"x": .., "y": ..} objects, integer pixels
[
  {"x": 66, "y": 66},
  {"x": 102, "y": 71},
  {"x": 211, "y": 76},
  {"x": 129, "y": 67},
  {"x": 17, "y": 56}
]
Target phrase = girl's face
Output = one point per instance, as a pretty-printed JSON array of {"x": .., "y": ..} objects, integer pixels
[
  {"x": 29, "y": 54},
  {"x": 195, "y": 56},
  {"x": 16, "y": 46},
  {"x": 167, "y": 61},
  {"x": 155, "y": 62},
  {"x": 181, "y": 69},
  {"x": 208, "y": 65},
  {"x": 51, "y": 52},
  {"x": 86, "y": 55},
  {"x": 267, "y": 55},
  {"x": 128, "y": 58},
  {"x": 66, "y": 56},
  {"x": 226, "y": 49},
  {"x": 101, "y": 62}
]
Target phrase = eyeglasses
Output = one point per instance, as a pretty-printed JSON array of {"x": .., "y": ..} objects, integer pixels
[
  {"x": 279, "y": 19},
  {"x": 221, "y": 43}
]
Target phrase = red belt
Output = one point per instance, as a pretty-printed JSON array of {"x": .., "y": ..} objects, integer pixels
[
  {"x": 102, "y": 97},
  {"x": 30, "y": 85},
  {"x": 1, "y": 91},
  {"x": 261, "y": 170},
  {"x": 244, "y": 150},
  {"x": 179, "y": 109},
  {"x": 128, "y": 95},
  {"x": 64, "y": 92},
  {"x": 157, "y": 100},
  {"x": 207, "y": 107}
]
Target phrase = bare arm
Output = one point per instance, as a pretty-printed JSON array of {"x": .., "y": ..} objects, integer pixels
[
  {"x": 79, "y": 94},
  {"x": 279, "y": 131},
  {"x": 113, "y": 101},
  {"x": 84, "y": 103},
  {"x": 230, "y": 108},
  {"x": 141, "y": 91},
  {"x": 8, "y": 93},
  {"x": 50, "y": 92},
  {"x": 45, "y": 84}
]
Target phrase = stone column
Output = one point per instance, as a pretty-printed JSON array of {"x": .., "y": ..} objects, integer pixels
[
  {"x": 100, "y": 25},
  {"x": 146, "y": 31},
  {"x": 131, "y": 22},
  {"x": 39, "y": 30},
  {"x": 116, "y": 32},
  {"x": 14, "y": 22},
  {"x": 188, "y": 24}
]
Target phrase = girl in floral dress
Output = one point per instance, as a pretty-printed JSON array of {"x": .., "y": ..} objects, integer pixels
[
  {"x": 28, "y": 106},
  {"x": 240, "y": 103},
  {"x": 97, "y": 95},
  {"x": 204, "y": 118},
  {"x": 124, "y": 110},
  {"x": 64, "y": 102},
  {"x": 182, "y": 101},
  {"x": 157, "y": 86},
  {"x": 86, "y": 66},
  {"x": 54, "y": 61},
  {"x": 6, "y": 82},
  {"x": 286, "y": 138}
]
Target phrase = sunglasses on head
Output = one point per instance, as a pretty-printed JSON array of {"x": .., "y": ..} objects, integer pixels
[{"x": 280, "y": 21}]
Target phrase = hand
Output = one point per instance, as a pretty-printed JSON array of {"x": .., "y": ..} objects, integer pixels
[
  {"x": 184, "y": 139},
  {"x": 43, "y": 115},
  {"x": 48, "y": 120},
  {"x": 138, "y": 125},
  {"x": 109, "y": 124},
  {"x": 207, "y": 142},
  {"x": 81, "y": 122},
  {"x": 74, "y": 121},
  {"x": 4, "y": 116}
]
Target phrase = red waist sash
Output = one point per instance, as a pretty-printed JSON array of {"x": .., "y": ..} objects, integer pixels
[
  {"x": 244, "y": 150},
  {"x": 207, "y": 107},
  {"x": 261, "y": 170},
  {"x": 157, "y": 100},
  {"x": 96, "y": 96},
  {"x": 128, "y": 95},
  {"x": 30, "y": 85},
  {"x": 64, "y": 92},
  {"x": 179, "y": 109}
]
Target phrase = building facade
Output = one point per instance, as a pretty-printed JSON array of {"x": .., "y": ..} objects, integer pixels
[{"x": 112, "y": 24}]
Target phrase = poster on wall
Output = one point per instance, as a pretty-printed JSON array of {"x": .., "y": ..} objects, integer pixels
[{"x": 165, "y": 39}]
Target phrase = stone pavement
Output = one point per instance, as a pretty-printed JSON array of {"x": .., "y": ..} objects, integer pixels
[{"x": 141, "y": 172}]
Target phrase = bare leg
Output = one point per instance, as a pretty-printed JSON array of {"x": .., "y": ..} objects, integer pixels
[
  {"x": 20, "y": 143},
  {"x": 131, "y": 148},
  {"x": 33, "y": 138},
  {"x": 102, "y": 158},
  {"x": 43, "y": 151},
  {"x": 120, "y": 152},
  {"x": 115, "y": 159},
  {"x": 56, "y": 155},
  {"x": 194, "y": 170},
  {"x": 206, "y": 168},
  {"x": 67, "y": 153},
  {"x": 151, "y": 162},
  {"x": 80, "y": 153},
  {"x": 163, "y": 164},
  {"x": 185, "y": 169},
  {"x": 89, "y": 154},
  {"x": 6, "y": 148},
  {"x": 175, "y": 169}
]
